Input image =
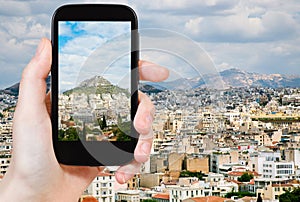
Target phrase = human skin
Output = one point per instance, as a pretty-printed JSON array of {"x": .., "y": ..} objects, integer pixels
[{"x": 34, "y": 173}]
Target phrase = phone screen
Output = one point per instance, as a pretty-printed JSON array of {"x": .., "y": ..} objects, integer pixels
[{"x": 94, "y": 88}]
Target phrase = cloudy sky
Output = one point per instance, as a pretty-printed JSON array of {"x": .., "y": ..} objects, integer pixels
[
  {"x": 252, "y": 35},
  {"x": 87, "y": 49}
]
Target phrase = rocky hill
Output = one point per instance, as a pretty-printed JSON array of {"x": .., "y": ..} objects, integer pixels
[{"x": 97, "y": 85}]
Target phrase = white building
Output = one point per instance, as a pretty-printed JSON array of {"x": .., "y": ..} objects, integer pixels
[
  {"x": 258, "y": 159},
  {"x": 128, "y": 195},
  {"x": 102, "y": 187},
  {"x": 272, "y": 169},
  {"x": 269, "y": 165},
  {"x": 179, "y": 193}
]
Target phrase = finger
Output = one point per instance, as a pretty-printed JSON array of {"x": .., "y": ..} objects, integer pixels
[
  {"x": 31, "y": 119},
  {"x": 143, "y": 147},
  {"x": 124, "y": 173},
  {"x": 33, "y": 84},
  {"x": 151, "y": 72},
  {"x": 144, "y": 116}
]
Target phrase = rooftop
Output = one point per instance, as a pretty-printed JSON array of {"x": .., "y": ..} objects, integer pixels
[
  {"x": 240, "y": 173},
  {"x": 207, "y": 198},
  {"x": 161, "y": 196}
]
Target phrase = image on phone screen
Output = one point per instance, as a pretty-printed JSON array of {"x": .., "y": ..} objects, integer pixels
[{"x": 94, "y": 81}]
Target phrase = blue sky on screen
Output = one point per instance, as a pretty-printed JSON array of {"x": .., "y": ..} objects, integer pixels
[{"x": 80, "y": 44}]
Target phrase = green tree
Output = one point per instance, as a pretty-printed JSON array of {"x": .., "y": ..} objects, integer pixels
[
  {"x": 61, "y": 135},
  {"x": 187, "y": 173},
  {"x": 149, "y": 200},
  {"x": 70, "y": 134},
  {"x": 293, "y": 196},
  {"x": 259, "y": 198},
  {"x": 123, "y": 131},
  {"x": 102, "y": 122},
  {"x": 246, "y": 177},
  {"x": 239, "y": 194}
]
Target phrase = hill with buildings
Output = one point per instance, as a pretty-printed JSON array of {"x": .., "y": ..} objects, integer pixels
[{"x": 97, "y": 85}]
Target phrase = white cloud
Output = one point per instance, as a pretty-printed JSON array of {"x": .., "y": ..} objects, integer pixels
[
  {"x": 193, "y": 25},
  {"x": 82, "y": 45},
  {"x": 240, "y": 27}
]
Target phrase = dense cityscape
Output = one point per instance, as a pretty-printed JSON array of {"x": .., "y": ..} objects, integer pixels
[
  {"x": 236, "y": 144},
  {"x": 110, "y": 117}
]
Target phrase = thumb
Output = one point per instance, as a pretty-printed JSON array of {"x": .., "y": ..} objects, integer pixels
[
  {"x": 33, "y": 86},
  {"x": 31, "y": 119}
]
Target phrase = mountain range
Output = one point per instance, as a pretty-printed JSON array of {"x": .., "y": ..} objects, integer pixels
[{"x": 229, "y": 78}]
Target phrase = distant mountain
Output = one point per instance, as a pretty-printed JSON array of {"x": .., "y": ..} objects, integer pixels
[
  {"x": 97, "y": 85},
  {"x": 232, "y": 78},
  {"x": 14, "y": 89},
  {"x": 239, "y": 78},
  {"x": 151, "y": 88}
]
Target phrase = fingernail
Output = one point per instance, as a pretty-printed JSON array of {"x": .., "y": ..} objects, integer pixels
[
  {"x": 124, "y": 177},
  {"x": 40, "y": 48},
  {"x": 145, "y": 147}
]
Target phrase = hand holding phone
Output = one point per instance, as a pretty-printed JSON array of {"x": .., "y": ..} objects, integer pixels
[{"x": 94, "y": 84}]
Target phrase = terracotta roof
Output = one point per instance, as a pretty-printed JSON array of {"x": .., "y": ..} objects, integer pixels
[
  {"x": 89, "y": 199},
  {"x": 101, "y": 174},
  {"x": 282, "y": 185},
  {"x": 172, "y": 182},
  {"x": 234, "y": 181},
  {"x": 239, "y": 173},
  {"x": 161, "y": 196},
  {"x": 248, "y": 199},
  {"x": 209, "y": 198},
  {"x": 240, "y": 168}
]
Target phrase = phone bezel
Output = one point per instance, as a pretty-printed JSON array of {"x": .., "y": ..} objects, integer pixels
[{"x": 73, "y": 152}]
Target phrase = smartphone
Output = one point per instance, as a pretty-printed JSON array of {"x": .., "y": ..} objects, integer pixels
[{"x": 94, "y": 82}]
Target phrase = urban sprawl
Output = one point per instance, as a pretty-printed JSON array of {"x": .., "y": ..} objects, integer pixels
[{"x": 238, "y": 144}]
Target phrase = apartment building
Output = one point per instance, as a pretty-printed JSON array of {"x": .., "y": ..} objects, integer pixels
[
  {"x": 102, "y": 187},
  {"x": 273, "y": 191}
]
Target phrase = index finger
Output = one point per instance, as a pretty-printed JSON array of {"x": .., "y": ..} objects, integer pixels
[{"x": 152, "y": 72}]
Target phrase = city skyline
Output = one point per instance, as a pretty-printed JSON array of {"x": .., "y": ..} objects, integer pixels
[{"x": 256, "y": 36}]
